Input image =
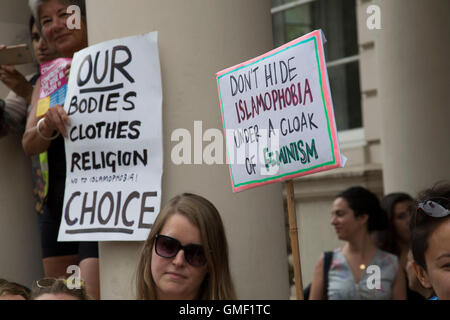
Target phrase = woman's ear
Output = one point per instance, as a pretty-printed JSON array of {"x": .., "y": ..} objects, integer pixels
[
  {"x": 363, "y": 218},
  {"x": 422, "y": 275}
]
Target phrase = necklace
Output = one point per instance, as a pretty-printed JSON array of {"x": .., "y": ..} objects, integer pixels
[{"x": 362, "y": 266}]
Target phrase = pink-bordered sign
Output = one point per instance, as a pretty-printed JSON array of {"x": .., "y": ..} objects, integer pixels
[{"x": 277, "y": 115}]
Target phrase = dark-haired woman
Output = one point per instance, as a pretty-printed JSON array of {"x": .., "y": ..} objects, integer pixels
[
  {"x": 359, "y": 270},
  {"x": 46, "y": 134},
  {"x": 396, "y": 238},
  {"x": 430, "y": 239}
]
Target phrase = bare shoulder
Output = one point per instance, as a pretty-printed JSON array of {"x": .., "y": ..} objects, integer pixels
[
  {"x": 319, "y": 264},
  {"x": 31, "y": 121}
]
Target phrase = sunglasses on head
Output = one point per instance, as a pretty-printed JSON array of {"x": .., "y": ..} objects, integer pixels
[
  {"x": 48, "y": 282},
  {"x": 432, "y": 209},
  {"x": 168, "y": 247}
]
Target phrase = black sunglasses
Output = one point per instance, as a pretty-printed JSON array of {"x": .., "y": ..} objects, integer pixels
[{"x": 168, "y": 247}]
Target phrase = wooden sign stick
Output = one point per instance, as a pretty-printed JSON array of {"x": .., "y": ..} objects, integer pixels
[{"x": 293, "y": 233}]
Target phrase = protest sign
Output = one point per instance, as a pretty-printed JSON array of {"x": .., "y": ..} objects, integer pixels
[
  {"x": 114, "y": 145},
  {"x": 53, "y": 85},
  {"x": 277, "y": 115}
]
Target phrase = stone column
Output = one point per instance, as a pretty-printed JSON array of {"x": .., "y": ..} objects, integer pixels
[
  {"x": 413, "y": 70},
  {"x": 20, "y": 248},
  {"x": 198, "y": 38}
]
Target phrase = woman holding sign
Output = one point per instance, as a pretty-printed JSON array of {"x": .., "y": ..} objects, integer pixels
[
  {"x": 44, "y": 134},
  {"x": 185, "y": 256},
  {"x": 359, "y": 270}
]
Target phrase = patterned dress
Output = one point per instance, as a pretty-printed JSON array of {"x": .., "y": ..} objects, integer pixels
[{"x": 375, "y": 284}]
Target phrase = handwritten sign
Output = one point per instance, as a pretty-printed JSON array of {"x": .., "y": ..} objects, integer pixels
[
  {"x": 114, "y": 145},
  {"x": 277, "y": 114}
]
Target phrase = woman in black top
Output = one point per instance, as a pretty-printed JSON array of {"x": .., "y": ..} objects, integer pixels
[{"x": 46, "y": 134}]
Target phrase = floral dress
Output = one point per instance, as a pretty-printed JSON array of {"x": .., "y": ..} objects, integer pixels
[{"x": 375, "y": 284}]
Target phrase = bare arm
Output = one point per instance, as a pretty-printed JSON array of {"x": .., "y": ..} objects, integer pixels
[
  {"x": 317, "y": 282},
  {"x": 55, "y": 120},
  {"x": 15, "y": 81},
  {"x": 399, "y": 287}
]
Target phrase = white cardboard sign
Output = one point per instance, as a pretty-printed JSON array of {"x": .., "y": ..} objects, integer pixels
[
  {"x": 278, "y": 115},
  {"x": 114, "y": 151}
]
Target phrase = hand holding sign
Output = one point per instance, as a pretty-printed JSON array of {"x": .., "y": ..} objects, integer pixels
[
  {"x": 67, "y": 71},
  {"x": 55, "y": 119}
]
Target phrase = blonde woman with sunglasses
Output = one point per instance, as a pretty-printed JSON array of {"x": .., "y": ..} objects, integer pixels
[
  {"x": 185, "y": 256},
  {"x": 430, "y": 239}
]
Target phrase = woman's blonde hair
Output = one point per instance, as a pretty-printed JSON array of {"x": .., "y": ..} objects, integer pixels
[
  {"x": 12, "y": 288},
  {"x": 58, "y": 286},
  {"x": 217, "y": 284}
]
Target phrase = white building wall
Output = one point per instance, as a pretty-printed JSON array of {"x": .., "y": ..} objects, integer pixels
[
  {"x": 198, "y": 38},
  {"x": 20, "y": 249}
]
